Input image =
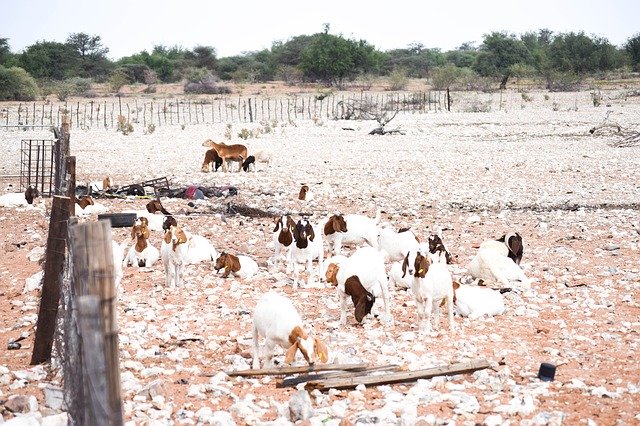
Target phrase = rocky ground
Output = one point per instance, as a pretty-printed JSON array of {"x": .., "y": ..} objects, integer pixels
[{"x": 528, "y": 166}]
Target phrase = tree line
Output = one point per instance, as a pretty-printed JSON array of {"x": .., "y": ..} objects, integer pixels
[{"x": 558, "y": 60}]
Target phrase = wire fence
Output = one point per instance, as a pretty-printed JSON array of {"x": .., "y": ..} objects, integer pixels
[{"x": 110, "y": 114}]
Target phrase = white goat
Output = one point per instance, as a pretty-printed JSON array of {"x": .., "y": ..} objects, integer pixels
[
  {"x": 141, "y": 253},
  {"x": 431, "y": 284},
  {"x": 351, "y": 228},
  {"x": 174, "y": 253},
  {"x": 277, "y": 320},
  {"x": 240, "y": 266},
  {"x": 398, "y": 278},
  {"x": 492, "y": 263},
  {"x": 199, "y": 249},
  {"x": 282, "y": 239},
  {"x": 307, "y": 247},
  {"x": 397, "y": 244},
  {"x": 473, "y": 301},
  {"x": 367, "y": 263}
]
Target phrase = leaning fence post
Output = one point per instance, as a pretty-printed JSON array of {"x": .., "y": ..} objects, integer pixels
[
  {"x": 54, "y": 265},
  {"x": 93, "y": 274}
]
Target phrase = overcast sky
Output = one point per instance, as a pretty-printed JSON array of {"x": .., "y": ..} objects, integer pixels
[{"x": 233, "y": 27}]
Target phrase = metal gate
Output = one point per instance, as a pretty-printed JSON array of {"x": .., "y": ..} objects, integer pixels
[{"x": 38, "y": 165}]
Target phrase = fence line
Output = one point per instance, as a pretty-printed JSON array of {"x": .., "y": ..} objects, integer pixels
[{"x": 106, "y": 114}]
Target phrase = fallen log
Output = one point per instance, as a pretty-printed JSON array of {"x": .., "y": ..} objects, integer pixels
[
  {"x": 293, "y": 381},
  {"x": 401, "y": 377},
  {"x": 292, "y": 370}
]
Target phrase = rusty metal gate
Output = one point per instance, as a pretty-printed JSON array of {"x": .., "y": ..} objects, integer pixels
[{"x": 38, "y": 165}]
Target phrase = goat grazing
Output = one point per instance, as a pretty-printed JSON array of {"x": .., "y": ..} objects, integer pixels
[
  {"x": 351, "y": 228},
  {"x": 277, "y": 320},
  {"x": 367, "y": 264},
  {"x": 249, "y": 161},
  {"x": 308, "y": 247},
  {"x": 211, "y": 158},
  {"x": 236, "y": 152},
  {"x": 431, "y": 284},
  {"x": 241, "y": 266},
  {"x": 174, "y": 252},
  {"x": 141, "y": 253}
]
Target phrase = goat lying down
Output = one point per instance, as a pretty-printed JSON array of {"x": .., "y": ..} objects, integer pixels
[
  {"x": 277, "y": 320},
  {"x": 240, "y": 266},
  {"x": 474, "y": 302},
  {"x": 495, "y": 262}
]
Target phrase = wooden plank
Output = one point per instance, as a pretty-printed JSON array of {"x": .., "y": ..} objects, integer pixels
[
  {"x": 293, "y": 381},
  {"x": 401, "y": 377},
  {"x": 292, "y": 370}
]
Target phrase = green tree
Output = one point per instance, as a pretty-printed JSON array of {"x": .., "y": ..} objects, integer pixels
[
  {"x": 290, "y": 52},
  {"x": 5, "y": 51},
  {"x": 17, "y": 85},
  {"x": 202, "y": 57},
  {"x": 93, "y": 54},
  {"x": 463, "y": 57},
  {"x": 334, "y": 59},
  {"x": 163, "y": 61},
  {"x": 498, "y": 53},
  {"x": 632, "y": 48},
  {"x": 416, "y": 60},
  {"x": 50, "y": 59},
  {"x": 580, "y": 54}
]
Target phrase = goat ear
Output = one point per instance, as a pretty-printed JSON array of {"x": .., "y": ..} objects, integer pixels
[
  {"x": 321, "y": 350},
  {"x": 277, "y": 225},
  {"x": 167, "y": 236},
  {"x": 291, "y": 353},
  {"x": 405, "y": 265},
  {"x": 361, "y": 309},
  {"x": 312, "y": 234}
]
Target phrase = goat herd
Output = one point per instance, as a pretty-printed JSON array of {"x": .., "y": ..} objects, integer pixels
[{"x": 363, "y": 276}]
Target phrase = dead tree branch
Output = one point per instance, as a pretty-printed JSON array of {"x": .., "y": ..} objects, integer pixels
[{"x": 627, "y": 137}]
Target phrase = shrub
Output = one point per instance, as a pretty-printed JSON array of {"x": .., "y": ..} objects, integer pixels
[
  {"x": 17, "y": 85},
  {"x": 124, "y": 125},
  {"x": 596, "y": 98},
  {"x": 76, "y": 86},
  {"x": 117, "y": 79},
  {"x": 479, "y": 106},
  {"x": 150, "y": 129},
  {"x": 398, "y": 80},
  {"x": 245, "y": 134},
  {"x": 526, "y": 97},
  {"x": 201, "y": 81},
  {"x": 228, "y": 131}
]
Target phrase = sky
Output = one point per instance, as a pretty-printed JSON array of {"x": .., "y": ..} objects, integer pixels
[{"x": 233, "y": 27}]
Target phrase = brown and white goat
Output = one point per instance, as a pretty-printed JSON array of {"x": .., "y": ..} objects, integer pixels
[
  {"x": 282, "y": 239},
  {"x": 235, "y": 152},
  {"x": 241, "y": 266},
  {"x": 174, "y": 252},
  {"x": 211, "y": 158},
  {"x": 277, "y": 320},
  {"x": 362, "y": 299},
  {"x": 141, "y": 253},
  {"x": 84, "y": 201}
]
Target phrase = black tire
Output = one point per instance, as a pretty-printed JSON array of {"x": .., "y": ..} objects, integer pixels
[{"x": 119, "y": 220}]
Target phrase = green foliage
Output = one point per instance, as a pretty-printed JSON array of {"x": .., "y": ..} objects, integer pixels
[
  {"x": 248, "y": 68},
  {"x": 92, "y": 53},
  {"x": 498, "y": 53},
  {"x": 446, "y": 76},
  {"x": 579, "y": 54},
  {"x": 76, "y": 86},
  {"x": 118, "y": 78},
  {"x": 245, "y": 134},
  {"x": 150, "y": 129},
  {"x": 477, "y": 105},
  {"x": 5, "y": 52},
  {"x": 52, "y": 60},
  {"x": 202, "y": 57},
  {"x": 416, "y": 60},
  {"x": 334, "y": 59},
  {"x": 17, "y": 85},
  {"x": 632, "y": 49},
  {"x": 162, "y": 61}
]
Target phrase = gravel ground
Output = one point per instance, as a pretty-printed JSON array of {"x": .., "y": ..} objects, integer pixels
[{"x": 531, "y": 167}]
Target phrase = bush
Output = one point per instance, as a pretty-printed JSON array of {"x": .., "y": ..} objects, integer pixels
[
  {"x": 17, "y": 85},
  {"x": 201, "y": 81},
  {"x": 117, "y": 79},
  {"x": 76, "y": 86},
  {"x": 398, "y": 80},
  {"x": 124, "y": 125}
]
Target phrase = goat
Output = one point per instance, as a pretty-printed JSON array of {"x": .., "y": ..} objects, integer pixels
[
  {"x": 397, "y": 244},
  {"x": 437, "y": 247},
  {"x": 249, "y": 161},
  {"x": 362, "y": 299},
  {"x": 88, "y": 207},
  {"x": 212, "y": 158},
  {"x": 366, "y": 263},
  {"x": 305, "y": 194},
  {"x": 492, "y": 263},
  {"x": 85, "y": 201},
  {"x": 432, "y": 283},
  {"x": 155, "y": 206},
  {"x": 474, "y": 302},
  {"x": 236, "y": 152},
  {"x": 99, "y": 186},
  {"x": 168, "y": 222},
  {"x": 398, "y": 278},
  {"x": 308, "y": 246},
  {"x": 30, "y": 193},
  {"x": 277, "y": 320},
  {"x": 174, "y": 252},
  {"x": 351, "y": 228},
  {"x": 241, "y": 266},
  {"x": 141, "y": 253},
  {"x": 259, "y": 156},
  {"x": 513, "y": 241},
  {"x": 282, "y": 238},
  {"x": 199, "y": 249}
]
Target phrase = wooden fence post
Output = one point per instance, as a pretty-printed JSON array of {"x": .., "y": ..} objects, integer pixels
[
  {"x": 54, "y": 265},
  {"x": 93, "y": 274}
]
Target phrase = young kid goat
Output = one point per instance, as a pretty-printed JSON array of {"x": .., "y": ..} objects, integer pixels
[
  {"x": 174, "y": 252},
  {"x": 282, "y": 239},
  {"x": 277, "y": 320},
  {"x": 432, "y": 283},
  {"x": 351, "y": 228},
  {"x": 397, "y": 244},
  {"x": 308, "y": 246}
]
